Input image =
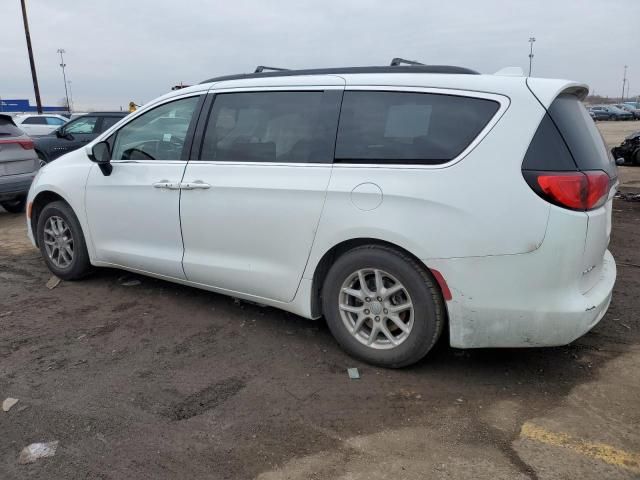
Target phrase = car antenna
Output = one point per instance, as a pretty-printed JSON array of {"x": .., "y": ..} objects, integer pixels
[
  {"x": 262, "y": 68},
  {"x": 399, "y": 61}
]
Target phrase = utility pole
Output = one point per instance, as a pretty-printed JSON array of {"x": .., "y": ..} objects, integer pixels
[
  {"x": 36, "y": 89},
  {"x": 61, "y": 51},
  {"x": 531, "y": 40},
  {"x": 624, "y": 81}
]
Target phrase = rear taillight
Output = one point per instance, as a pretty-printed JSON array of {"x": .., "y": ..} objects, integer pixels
[
  {"x": 573, "y": 190},
  {"x": 24, "y": 143}
]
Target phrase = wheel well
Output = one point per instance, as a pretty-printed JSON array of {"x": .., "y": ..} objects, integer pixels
[
  {"x": 335, "y": 252},
  {"x": 41, "y": 200}
]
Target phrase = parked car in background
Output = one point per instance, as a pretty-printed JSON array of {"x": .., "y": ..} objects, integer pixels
[
  {"x": 598, "y": 113},
  {"x": 18, "y": 165},
  {"x": 335, "y": 193},
  {"x": 611, "y": 112},
  {"x": 628, "y": 151},
  {"x": 74, "y": 134},
  {"x": 628, "y": 108},
  {"x": 36, "y": 125}
]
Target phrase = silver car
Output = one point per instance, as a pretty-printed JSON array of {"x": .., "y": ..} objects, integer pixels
[{"x": 18, "y": 165}]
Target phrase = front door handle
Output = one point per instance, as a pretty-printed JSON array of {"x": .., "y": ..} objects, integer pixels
[
  {"x": 197, "y": 185},
  {"x": 166, "y": 184}
]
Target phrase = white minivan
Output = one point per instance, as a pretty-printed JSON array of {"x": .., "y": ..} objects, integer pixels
[{"x": 394, "y": 201}]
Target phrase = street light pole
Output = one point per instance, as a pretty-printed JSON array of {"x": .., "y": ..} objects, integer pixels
[
  {"x": 61, "y": 51},
  {"x": 531, "y": 40},
  {"x": 624, "y": 81},
  {"x": 32, "y": 62},
  {"x": 70, "y": 94}
]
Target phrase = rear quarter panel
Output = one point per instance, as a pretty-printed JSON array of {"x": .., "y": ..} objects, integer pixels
[{"x": 477, "y": 205}]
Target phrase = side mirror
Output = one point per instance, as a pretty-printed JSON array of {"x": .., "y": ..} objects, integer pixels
[
  {"x": 60, "y": 132},
  {"x": 101, "y": 154}
]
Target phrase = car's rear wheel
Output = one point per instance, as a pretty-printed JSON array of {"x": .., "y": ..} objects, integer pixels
[
  {"x": 61, "y": 242},
  {"x": 14, "y": 206},
  {"x": 382, "y": 306}
]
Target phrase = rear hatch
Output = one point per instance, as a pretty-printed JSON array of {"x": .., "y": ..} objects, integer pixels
[
  {"x": 569, "y": 165},
  {"x": 17, "y": 154}
]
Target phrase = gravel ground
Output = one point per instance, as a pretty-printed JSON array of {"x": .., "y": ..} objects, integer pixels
[{"x": 159, "y": 381}]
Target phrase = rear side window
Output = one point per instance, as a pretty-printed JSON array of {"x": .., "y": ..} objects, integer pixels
[
  {"x": 8, "y": 128},
  {"x": 568, "y": 140},
  {"x": 404, "y": 127},
  {"x": 287, "y": 127},
  {"x": 35, "y": 121}
]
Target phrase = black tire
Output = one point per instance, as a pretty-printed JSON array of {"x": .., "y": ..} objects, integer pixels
[
  {"x": 80, "y": 265},
  {"x": 429, "y": 310},
  {"x": 14, "y": 206},
  {"x": 42, "y": 159}
]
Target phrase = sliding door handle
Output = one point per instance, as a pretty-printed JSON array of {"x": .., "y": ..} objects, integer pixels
[
  {"x": 167, "y": 185},
  {"x": 197, "y": 185}
]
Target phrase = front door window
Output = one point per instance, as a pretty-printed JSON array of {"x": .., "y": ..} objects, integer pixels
[{"x": 158, "y": 134}]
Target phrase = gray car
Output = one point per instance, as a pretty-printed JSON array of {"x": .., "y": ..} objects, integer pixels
[{"x": 18, "y": 165}]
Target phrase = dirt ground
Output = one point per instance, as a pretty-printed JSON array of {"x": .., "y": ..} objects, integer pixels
[{"x": 159, "y": 381}]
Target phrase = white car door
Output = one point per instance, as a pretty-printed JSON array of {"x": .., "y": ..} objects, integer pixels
[
  {"x": 252, "y": 201},
  {"x": 133, "y": 212},
  {"x": 34, "y": 125}
]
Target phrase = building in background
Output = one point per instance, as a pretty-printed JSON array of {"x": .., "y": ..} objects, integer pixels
[{"x": 22, "y": 105}]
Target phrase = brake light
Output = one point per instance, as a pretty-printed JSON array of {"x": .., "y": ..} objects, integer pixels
[
  {"x": 24, "y": 143},
  {"x": 574, "y": 190}
]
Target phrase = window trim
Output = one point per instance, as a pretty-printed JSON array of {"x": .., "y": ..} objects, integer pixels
[
  {"x": 208, "y": 109},
  {"x": 502, "y": 100},
  {"x": 109, "y": 135}
]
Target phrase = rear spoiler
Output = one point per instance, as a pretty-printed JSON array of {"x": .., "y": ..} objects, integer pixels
[
  {"x": 8, "y": 119},
  {"x": 546, "y": 90}
]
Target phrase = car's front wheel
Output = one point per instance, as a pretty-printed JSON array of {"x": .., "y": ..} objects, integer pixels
[
  {"x": 14, "y": 206},
  {"x": 382, "y": 306},
  {"x": 61, "y": 242}
]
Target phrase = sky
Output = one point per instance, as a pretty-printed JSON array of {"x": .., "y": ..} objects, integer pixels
[{"x": 135, "y": 50}]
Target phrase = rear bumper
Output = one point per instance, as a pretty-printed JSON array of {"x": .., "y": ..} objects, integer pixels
[
  {"x": 511, "y": 311},
  {"x": 543, "y": 298},
  {"x": 15, "y": 186}
]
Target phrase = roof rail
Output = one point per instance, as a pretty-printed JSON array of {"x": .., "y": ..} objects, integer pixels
[
  {"x": 444, "y": 69},
  {"x": 400, "y": 61},
  {"x": 262, "y": 68}
]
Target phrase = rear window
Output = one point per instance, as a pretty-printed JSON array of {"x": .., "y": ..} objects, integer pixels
[
  {"x": 8, "y": 128},
  {"x": 404, "y": 127},
  {"x": 580, "y": 133},
  {"x": 567, "y": 139}
]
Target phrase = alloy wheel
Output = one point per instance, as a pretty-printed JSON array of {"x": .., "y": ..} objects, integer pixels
[
  {"x": 376, "y": 308},
  {"x": 58, "y": 242}
]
